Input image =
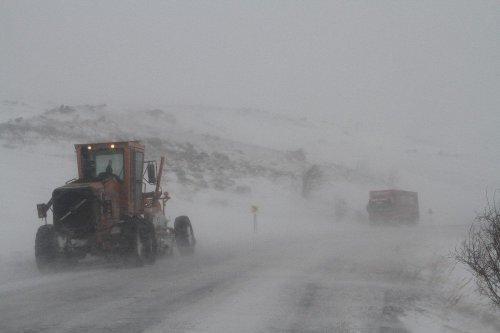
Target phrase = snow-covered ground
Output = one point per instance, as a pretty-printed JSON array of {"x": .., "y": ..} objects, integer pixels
[{"x": 314, "y": 266}]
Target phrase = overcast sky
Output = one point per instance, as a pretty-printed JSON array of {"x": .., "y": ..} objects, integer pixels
[{"x": 419, "y": 61}]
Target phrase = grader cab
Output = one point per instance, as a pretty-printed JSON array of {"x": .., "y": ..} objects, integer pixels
[{"x": 107, "y": 210}]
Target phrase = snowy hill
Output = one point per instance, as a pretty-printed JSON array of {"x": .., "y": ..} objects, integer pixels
[
  {"x": 229, "y": 149},
  {"x": 234, "y": 158},
  {"x": 205, "y": 148},
  {"x": 226, "y": 149}
]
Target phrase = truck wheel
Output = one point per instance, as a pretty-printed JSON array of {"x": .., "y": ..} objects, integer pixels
[
  {"x": 143, "y": 245},
  {"x": 46, "y": 247},
  {"x": 184, "y": 235},
  {"x": 149, "y": 242}
]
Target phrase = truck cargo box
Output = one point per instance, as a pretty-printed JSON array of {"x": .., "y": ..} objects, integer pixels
[{"x": 386, "y": 206}]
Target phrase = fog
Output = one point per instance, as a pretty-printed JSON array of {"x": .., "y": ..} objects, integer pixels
[
  {"x": 244, "y": 98},
  {"x": 427, "y": 65}
]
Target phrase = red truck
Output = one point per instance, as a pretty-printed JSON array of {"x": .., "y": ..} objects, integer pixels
[{"x": 386, "y": 206}]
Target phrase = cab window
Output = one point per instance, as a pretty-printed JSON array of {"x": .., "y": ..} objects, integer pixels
[{"x": 108, "y": 162}]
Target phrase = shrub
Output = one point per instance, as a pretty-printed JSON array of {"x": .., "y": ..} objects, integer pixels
[{"x": 480, "y": 252}]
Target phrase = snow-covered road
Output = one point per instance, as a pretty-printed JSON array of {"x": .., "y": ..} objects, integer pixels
[{"x": 336, "y": 278}]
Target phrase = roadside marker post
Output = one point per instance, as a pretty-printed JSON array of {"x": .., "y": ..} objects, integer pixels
[{"x": 255, "y": 210}]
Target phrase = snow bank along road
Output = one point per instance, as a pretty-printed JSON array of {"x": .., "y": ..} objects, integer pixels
[{"x": 334, "y": 278}]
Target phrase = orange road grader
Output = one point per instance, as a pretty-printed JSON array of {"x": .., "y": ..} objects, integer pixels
[{"x": 108, "y": 212}]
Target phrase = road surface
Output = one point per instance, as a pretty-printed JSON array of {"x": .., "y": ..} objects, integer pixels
[{"x": 332, "y": 279}]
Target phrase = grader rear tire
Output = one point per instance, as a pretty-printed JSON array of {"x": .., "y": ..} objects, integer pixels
[
  {"x": 148, "y": 240},
  {"x": 140, "y": 243},
  {"x": 46, "y": 248}
]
